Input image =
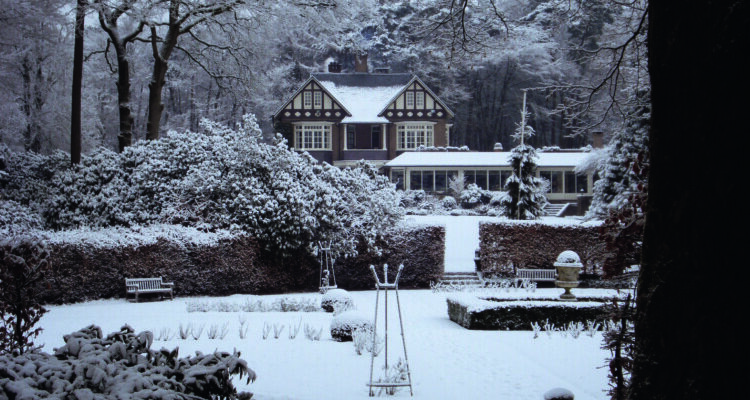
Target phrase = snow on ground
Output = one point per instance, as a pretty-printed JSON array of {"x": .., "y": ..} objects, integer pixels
[{"x": 446, "y": 360}]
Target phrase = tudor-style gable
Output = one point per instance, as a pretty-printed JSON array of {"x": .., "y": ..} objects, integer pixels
[
  {"x": 415, "y": 101},
  {"x": 312, "y": 102}
]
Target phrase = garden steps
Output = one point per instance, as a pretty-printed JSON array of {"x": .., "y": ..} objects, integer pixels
[
  {"x": 554, "y": 209},
  {"x": 461, "y": 278}
]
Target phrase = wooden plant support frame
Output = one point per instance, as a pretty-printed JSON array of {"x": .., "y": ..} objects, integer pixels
[{"x": 385, "y": 286}]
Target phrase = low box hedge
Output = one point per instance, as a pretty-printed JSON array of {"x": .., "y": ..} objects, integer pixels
[{"x": 486, "y": 313}]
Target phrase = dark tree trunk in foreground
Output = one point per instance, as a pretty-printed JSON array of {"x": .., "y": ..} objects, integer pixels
[
  {"x": 684, "y": 345},
  {"x": 75, "y": 107}
]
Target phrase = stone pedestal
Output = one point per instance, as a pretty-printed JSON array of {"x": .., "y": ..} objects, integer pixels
[{"x": 568, "y": 266}]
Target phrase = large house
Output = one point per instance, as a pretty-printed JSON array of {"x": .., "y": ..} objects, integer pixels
[
  {"x": 342, "y": 118},
  {"x": 384, "y": 118}
]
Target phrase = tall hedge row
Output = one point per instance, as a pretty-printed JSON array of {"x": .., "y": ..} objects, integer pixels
[
  {"x": 84, "y": 271},
  {"x": 509, "y": 245}
]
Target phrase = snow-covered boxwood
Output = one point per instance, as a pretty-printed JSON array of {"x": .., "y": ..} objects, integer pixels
[
  {"x": 121, "y": 365},
  {"x": 344, "y": 324},
  {"x": 337, "y": 301}
]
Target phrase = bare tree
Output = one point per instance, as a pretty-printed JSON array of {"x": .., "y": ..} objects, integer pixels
[
  {"x": 109, "y": 15},
  {"x": 75, "y": 117},
  {"x": 183, "y": 16}
]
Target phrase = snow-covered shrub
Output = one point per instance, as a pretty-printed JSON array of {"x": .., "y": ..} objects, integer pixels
[
  {"x": 498, "y": 198},
  {"x": 337, "y": 301},
  {"x": 363, "y": 341},
  {"x": 449, "y": 203},
  {"x": 16, "y": 217},
  {"x": 412, "y": 198},
  {"x": 344, "y": 324},
  {"x": 217, "y": 178},
  {"x": 312, "y": 333},
  {"x": 90, "y": 366},
  {"x": 23, "y": 261},
  {"x": 473, "y": 195}
]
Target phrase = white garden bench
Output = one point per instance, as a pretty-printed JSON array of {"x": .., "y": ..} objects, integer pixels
[
  {"x": 137, "y": 286},
  {"x": 545, "y": 275}
]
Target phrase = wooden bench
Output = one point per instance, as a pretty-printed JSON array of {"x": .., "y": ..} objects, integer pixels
[
  {"x": 137, "y": 286},
  {"x": 546, "y": 275}
]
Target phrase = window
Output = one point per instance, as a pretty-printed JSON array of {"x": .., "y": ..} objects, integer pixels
[
  {"x": 317, "y": 99},
  {"x": 555, "y": 180},
  {"x": 351, "y": 137},
  {"x": 307, "y": 99},
  {"x": 397, "y": 177},
  {"x": 413, "y": 135},
  {"x": 478, "y": 177},
  {"x": 493, "y": 178},
  {"x": 504, "y": 175},
  {"x": 375, "y": 137},
  {"x": 409, "y": 99},
  {"x": 420, "y": 99},
  {"x": 312, "y": 137},
  {"x": 575, "y": 183},
  {"x": 415, "y": 180}
]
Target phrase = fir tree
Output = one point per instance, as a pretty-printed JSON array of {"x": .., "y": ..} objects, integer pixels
[
  {"x": 617, "y": 179},
  {"x": 526, "y": 199}
]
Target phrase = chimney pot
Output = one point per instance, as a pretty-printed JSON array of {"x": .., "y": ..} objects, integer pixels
[
  {"x": 360, "y": 63},
  {"x": 597, "y": 139},
  {"x": 334, "y": 67}
]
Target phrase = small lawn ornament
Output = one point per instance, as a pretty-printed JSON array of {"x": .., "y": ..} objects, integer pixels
[
  {"x": 327, "y": 273},
  {"x": 568, "y": 266},
  {"x": 397, "y": 375}
]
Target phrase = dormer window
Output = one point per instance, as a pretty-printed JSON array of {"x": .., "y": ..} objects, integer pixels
[
  {"x": 420, "y": 100},
  {"x": 317, "y": 99}
]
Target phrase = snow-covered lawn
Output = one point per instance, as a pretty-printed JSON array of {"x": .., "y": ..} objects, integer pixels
[{"x": 446, "y": 360}]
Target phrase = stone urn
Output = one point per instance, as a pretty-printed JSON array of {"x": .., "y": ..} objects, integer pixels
[{"x": 568, "y": 266}]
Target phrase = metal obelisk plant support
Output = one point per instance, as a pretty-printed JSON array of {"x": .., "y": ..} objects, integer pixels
[
  {"x": 386, "y": 383},
  {"x": 326, "y": 267}
]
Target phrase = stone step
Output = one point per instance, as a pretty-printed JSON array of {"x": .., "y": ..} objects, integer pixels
[{"x": 461, "y": 278}]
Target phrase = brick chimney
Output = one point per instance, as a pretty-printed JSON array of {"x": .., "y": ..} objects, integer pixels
[
  {"x": 360, "y": 62},
  {"x": 334, "y": 67},
  {"x": 597, "y": 139}
]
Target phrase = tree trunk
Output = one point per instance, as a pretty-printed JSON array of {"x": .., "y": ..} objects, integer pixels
[
  {"x": 684, "y": 340},
  {"x": 155, "y": 106},
  {"x": 75, "y": 112},
  {"x": 125, "y": 137}
]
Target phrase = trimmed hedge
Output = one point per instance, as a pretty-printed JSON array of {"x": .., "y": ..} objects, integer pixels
[
  {"x": 518, "y": 315},
  {"x": 535, "y": 245},
  {"x": 420, "y": 249},
  {"x": 82, "y": 271}
]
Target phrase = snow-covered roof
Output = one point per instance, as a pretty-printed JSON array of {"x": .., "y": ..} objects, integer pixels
[
  {"x": 363, "y": 95},
  {"x": 481, "y": 159}
]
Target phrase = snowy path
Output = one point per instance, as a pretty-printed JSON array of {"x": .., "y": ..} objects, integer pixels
[{"x": 461, "y": 238}]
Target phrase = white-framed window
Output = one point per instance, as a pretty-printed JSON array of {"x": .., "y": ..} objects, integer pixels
[
  {"x": 409, "y": 99},
  {"x": 317, "y": 99},
  {"x": 420, "y": 100},
  {"x": 414, "y": 134},
  {"x": 312, "y": 136},
  {"x": 307, "y": 99}
]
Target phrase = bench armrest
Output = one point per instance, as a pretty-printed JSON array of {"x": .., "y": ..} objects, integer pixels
[{"x": 170, "y": 284}]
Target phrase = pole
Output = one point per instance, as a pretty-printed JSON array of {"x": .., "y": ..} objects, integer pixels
[{"x": 520, "y": 164}]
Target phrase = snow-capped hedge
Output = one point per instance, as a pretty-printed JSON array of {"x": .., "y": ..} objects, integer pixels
[
  {"x": 337, "y": 301},
  {"x": 421, "y": 250},
  {"x": 535, "y": 244},
  {"x": 122, "y": 365},
  {"x": 89, "y": 264},
  {"x": 474, "y": 312},
  {"x": 217, "y": 178}
]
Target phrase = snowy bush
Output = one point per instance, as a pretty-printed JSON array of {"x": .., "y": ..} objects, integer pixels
[
  {"x": 449, "y": 203},
  {"x": 15, "y": 216},
  {"x": 90, "y": 366},
  {"x": 217, "y": 178},
  {"x": 344, "y": 324},
  {"x": 472, "y": 196},
  {"x": 337, "y": 301},
  {"x": 23, "y": 260}
]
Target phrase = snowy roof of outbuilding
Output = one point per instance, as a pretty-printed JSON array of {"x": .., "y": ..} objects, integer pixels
[
  {"x": 481, "y": 159},
  {"x": 363, "y": 95}
]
